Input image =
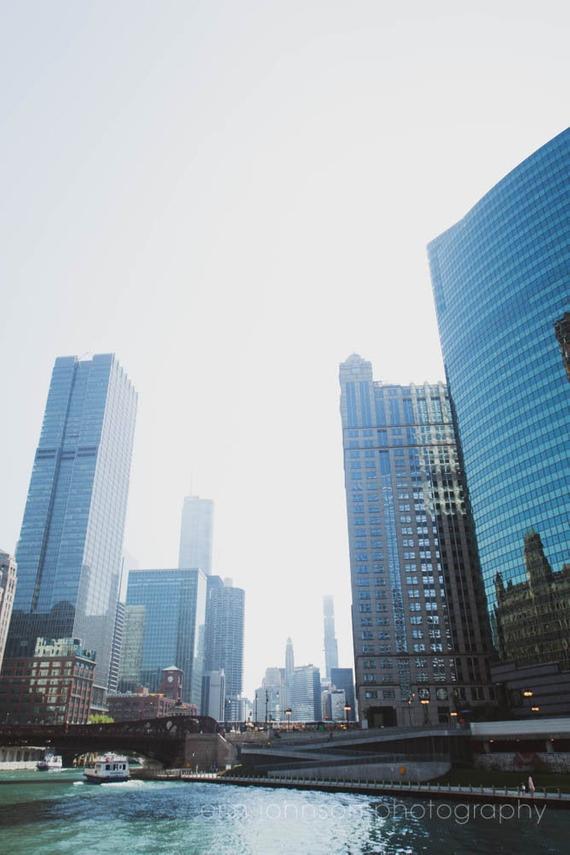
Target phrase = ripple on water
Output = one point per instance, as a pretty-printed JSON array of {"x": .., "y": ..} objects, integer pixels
[{"x": 173, "y": 817}]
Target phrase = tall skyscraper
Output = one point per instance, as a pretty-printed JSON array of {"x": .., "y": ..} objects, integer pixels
[
  {"x": 289, "y": 658},
  {"x": 501, "y": 286},
  {"x": 418, "y": 612},
  {"x": 70, "y": 547},
  {"x": 173, "y": 627},
  {"x": 196, "y": 533},
  {"x": 7, "y": 591},
  {"x": 224, "y": 638},
  {"x": 117, "y": 647},
  {"x": 331, "y": 646},
  {"x": 130, "y": 660},
  {"x": 269, "y": 702},
  {"x": 214, "y": 695},
  {"x": 306, "y": 694},
  {"x": 289, "y": 671}
]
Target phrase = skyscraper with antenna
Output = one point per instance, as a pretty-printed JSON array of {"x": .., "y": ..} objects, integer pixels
[
  {"x": 196, "y": 534},
  {"x": 331, "y": 646}
]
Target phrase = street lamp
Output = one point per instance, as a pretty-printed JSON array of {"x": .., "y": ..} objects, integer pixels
[
  {"x": 347, "y": 709},
  {"x": 288, "y": 714},
  {"x": 535, "y": 709},
  {"x": 425, "y": 703},
  {"x": 527, "y": 693},
  {"x": 411, "y": 699}
]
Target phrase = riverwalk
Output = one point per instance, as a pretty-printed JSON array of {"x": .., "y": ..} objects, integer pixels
[{"x": 429, "y": 790}]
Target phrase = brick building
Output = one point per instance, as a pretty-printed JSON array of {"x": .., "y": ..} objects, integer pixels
[{"x": 54, "y": 686}]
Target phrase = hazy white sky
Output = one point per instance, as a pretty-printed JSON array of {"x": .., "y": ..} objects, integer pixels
[{"x": 233, "y": 197}]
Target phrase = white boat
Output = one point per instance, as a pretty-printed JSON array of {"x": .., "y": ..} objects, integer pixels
[
  {"x": 108, "y": 769},
  {"x": 50, "y": 763}
]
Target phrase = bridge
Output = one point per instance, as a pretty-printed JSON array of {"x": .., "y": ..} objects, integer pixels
[{"x": 181, "y": 741}]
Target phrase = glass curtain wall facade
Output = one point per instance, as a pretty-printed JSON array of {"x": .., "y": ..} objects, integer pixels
[
  {"x": 306, "y": 694},
  {"x": 420, "y": 628},
  {"x": 501, "y": 283},
  {"x": 196, "y": 533},
  {"x": 224, "y": 638},
  {"x": 173, "y": 631},
  {"x": 70, "y": 548},
  {"x": 331, "y": 646},
  {"x": 343, "y": 678}
]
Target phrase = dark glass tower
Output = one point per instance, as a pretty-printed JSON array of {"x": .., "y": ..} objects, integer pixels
[
  {"x": 501, "y": 284},
  {"x": 70, "y": 548},
  {"x": 420, "y": 627}
]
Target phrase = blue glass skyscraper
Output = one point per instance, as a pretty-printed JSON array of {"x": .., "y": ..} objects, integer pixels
[
  {"x": 501, "y": 281},
  {"x": 225, "y": 612},
  {"x": 70, "y": 548},
  {"x": 172, "y": 606}
]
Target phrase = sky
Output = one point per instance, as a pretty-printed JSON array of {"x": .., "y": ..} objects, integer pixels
[{"x": 234, "y": 197}]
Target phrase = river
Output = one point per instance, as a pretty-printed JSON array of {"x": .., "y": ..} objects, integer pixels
[{"x": 52, "y": 813}]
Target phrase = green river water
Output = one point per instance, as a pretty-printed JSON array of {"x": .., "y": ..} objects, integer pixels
[{"x": 49, "y": 813}]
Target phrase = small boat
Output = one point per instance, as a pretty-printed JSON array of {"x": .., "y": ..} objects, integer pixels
[
  {"x": 108, "y": 769},
  {"x": 50, "y": 763}
]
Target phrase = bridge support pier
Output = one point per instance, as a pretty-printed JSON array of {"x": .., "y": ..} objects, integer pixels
[{"x": 207, "y": 751}]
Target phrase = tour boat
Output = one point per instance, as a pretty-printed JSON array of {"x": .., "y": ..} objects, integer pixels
[
  {"x": 50, "y": 763},
  {"x": 108, "y": 769}
]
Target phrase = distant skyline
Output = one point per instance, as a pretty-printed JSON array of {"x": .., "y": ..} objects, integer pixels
[{"x": 233, "y": 198}]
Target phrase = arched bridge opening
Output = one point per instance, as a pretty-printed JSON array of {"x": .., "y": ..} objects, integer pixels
[{"x": 168, "y": 740}]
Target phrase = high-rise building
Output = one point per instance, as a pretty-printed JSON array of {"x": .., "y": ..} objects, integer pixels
[
  {"x": 418, "y": 613},
  {"x": 268, "y": 704},
  {"x": 289, "y": 671},
  {"x": 306, "y": 694},
  {"x": 214, "y": 695},
  {"x": 337, "y": 701},
  {"x": 7, "y": 591},
  {"x": 173, "y": 626},
  {"x": 224, "y": 637},
  {"x": 343, "y": 678},
  {"x": 501, "y": 289},
  {"x": 196, "y": 533},
  {"x": 289, "y": 657},
  {"x": 331, "y": 646},
  {"x": 117, "y": 647},
  {"x": 70, "y": 547},
  {"x": 130, "y": 662},
  {"x": 272, "y": 694}
]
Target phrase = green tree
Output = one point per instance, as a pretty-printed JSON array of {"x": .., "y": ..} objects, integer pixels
[{"x": 100, "y": 718}]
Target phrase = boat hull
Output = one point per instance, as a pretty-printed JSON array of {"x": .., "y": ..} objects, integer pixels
[{"x": 97, "y": 779}]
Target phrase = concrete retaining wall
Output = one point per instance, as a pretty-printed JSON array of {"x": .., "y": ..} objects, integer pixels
[
  {"x": 511, "y": 761},
  {"x": 404, "y": 771}
]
